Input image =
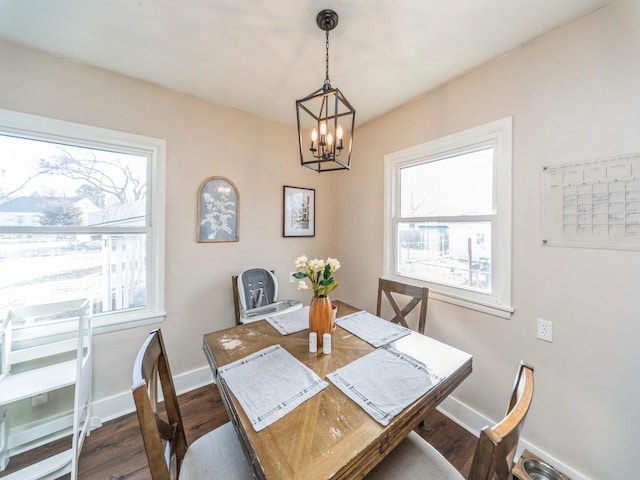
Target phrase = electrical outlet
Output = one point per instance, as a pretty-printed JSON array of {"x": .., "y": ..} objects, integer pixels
[
  {"x": 39, "y": 399},
  {"x": 292, "y": 279},
  {"x": 545, "y": 330}
]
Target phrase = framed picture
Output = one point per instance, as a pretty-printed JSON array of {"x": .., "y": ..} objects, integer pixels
[
  {"x": 299, "y": 212},
  {"x": 218, "y": 202}
]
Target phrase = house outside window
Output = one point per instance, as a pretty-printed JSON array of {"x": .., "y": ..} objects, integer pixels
[
  {"x": 448, "y": 217},
  {"x": 81, "y": 216}
]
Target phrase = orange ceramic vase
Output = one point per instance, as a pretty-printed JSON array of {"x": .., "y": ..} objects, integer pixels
[{"x": 320, "y": 316}]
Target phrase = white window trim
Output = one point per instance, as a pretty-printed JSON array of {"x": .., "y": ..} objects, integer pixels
[
  {"x": 498, "y": 133},
  {"x": 33, "y": 126}
]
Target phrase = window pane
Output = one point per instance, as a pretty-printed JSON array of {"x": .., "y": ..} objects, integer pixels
[
  {"x": 108, "y": 269},
  {"x": 45, "y": 183},
  {"x": 456, "y": 254},
  {"x": 458, "y": 185}
]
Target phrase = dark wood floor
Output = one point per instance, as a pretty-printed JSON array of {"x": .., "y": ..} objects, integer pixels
[{"x": 116, "y": 452}]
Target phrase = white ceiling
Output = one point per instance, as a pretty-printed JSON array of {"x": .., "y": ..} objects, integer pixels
[{"x": 259, "y": 56}]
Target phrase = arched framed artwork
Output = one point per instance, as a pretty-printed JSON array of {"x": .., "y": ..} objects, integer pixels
[{"x": 218, "y": 205}]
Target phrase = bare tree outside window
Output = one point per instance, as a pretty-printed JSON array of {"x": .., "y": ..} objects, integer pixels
[{"x": 100, "y": 175}]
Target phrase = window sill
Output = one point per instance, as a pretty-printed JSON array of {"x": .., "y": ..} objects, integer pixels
[
  {"x": 502, "y": 311},
  {"x": 130, "y": 320}
]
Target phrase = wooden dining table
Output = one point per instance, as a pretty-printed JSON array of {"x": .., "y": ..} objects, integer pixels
[{"x": 329, "y": 435}]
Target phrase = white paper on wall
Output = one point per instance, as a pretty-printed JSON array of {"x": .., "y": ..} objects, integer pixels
[{"x": 592, "y": 204}]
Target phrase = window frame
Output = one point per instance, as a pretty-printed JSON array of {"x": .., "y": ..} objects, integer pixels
[
  {"x": 53, "y": 130},
  {"x": 497, "y": 134}
]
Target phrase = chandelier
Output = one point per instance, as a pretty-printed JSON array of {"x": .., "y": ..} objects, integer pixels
[{"x": 326, "y": 119}]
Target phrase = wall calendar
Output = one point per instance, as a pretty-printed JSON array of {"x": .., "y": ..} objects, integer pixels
[{"x": 593, "y": 204}]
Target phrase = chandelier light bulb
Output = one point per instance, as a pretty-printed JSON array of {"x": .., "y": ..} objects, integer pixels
[
  {"x": 314, "y": 139},
  {"x": 323, "y": 128},
  {"x": 339, "y": 132}
]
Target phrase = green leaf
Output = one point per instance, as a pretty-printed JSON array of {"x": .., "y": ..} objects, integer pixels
[
  {"x": 330, "y": 288},
  {"x": 300, "y": 275},
  {"x": 327, "y": 271}
]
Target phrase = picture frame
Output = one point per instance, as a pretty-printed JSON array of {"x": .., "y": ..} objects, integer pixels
[
  {"x": 299, "y": 212},
  {"x": 218, "y": 207}
]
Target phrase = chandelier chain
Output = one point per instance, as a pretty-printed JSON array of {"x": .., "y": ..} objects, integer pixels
[{"x": 327, "y": 83}]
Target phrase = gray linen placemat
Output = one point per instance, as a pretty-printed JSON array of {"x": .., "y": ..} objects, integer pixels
[
  {"x": 384, "y": 382},
  {"x": 291, "y": 322},
  {"x": 373, "y": 330},
  {"x": 270, "y": 383}
]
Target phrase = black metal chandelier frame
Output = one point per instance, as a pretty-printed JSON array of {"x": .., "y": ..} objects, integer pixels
[{"x": 329, "y": 148}]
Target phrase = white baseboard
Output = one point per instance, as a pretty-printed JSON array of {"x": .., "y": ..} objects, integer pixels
[
  {"x": 473, "y": 421},
  {"x": 122, "y": 403}
]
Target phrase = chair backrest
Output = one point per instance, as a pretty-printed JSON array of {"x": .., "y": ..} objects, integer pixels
[
  {"x": 82, "y": 408},
  {"x": 420, "y": 296},
  {"x": 493, "y": 458},
  {"x": 253, "y": 288},
  {"x": 162, "y": 432}
]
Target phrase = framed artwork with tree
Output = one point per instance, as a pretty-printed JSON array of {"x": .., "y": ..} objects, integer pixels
[{"x": 218, "y": 202}]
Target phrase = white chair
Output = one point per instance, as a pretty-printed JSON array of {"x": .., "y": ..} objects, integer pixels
[
  {"x": 46, "y": 362},
  {"x": 255, "y": 294},
  {"x": 415, "y": 458}
]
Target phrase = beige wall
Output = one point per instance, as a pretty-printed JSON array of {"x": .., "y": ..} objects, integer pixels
[
  {"x": 202, "y": 140},
  {"x": 574, "y": 96}
]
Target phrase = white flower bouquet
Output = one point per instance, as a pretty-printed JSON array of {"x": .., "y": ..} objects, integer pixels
[{"x": 319, "y": 272}]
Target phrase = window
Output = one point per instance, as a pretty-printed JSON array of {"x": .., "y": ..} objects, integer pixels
[
  {"x": 448, "y": 217},
  {"x": 81, "y": 216}
]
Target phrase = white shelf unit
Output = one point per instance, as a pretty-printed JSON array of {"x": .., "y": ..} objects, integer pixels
[{"x": 46, "y": 348}]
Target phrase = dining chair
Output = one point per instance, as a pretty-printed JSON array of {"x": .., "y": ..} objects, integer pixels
[
  {"x": 217, "y": 454},
  {"x": 420, "y": 296},
  {"x": 415, "y": 458}
]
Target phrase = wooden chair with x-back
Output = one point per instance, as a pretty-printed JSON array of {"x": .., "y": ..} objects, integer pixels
[{"x": 419, "y": 295}]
